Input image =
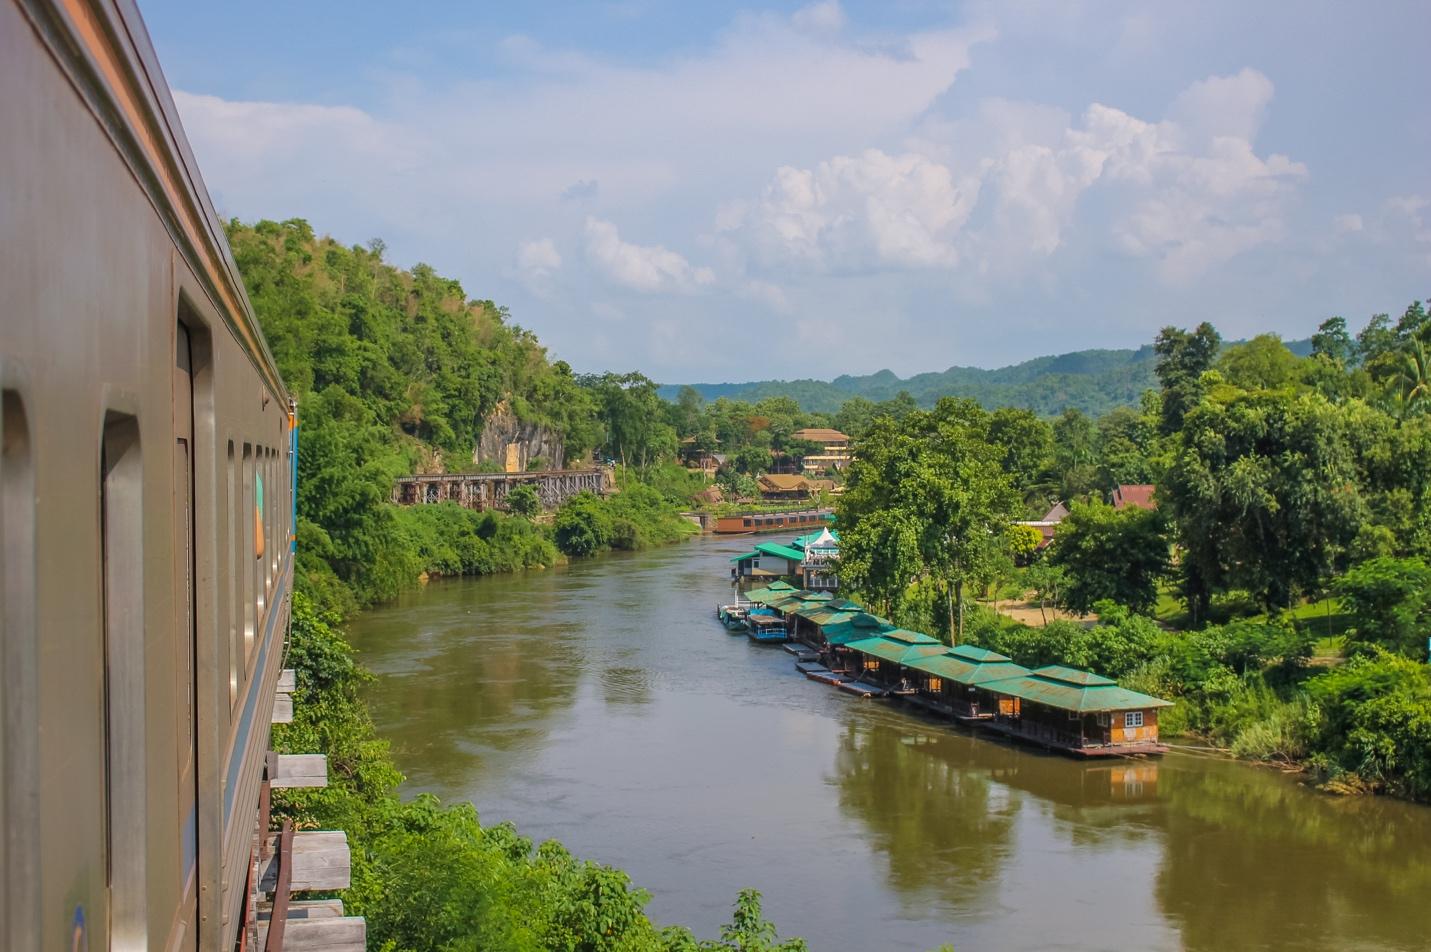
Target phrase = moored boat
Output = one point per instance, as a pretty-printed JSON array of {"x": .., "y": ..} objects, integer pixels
[{"x": 766, "y": 627}]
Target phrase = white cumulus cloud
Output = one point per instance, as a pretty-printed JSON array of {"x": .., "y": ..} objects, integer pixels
[
  {"x": 854, "y": 212},
  {"x": 646, "y": 268}
]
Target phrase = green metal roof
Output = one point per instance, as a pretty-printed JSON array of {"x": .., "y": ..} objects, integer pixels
[
  {"x": 780, "y": 551},
  {"x": 769, "y": 591},
  {"x": 976, "y": 654},
  {"x": 858, "y": 625},
  {"x": 960, "y": 669},
  {"x": 1072, "y": 690},
  {"x": 1067, "y": 675},
  {"x": 897, "y": 645},
  {"x": 845, "y": 605},
  {"x": 748, "y": 555},
  {"x": 821, "y": 613}
]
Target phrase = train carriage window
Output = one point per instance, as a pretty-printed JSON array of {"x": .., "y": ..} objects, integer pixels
[
  {"x": 237, "y": 654},
  {"x": 19, "y": 848},
  {"x": 122, "y": 535},
  {"x": 247, "y": 540}
]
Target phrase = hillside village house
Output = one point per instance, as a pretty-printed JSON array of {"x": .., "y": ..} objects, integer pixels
[
  {"x": 835, "y": 452},
  {"x": 1048, "y": 524},
  {"x": 775, "y": 486},
  {"x": 700, "y": 460},
  {"x": 1138, "y": 495}
]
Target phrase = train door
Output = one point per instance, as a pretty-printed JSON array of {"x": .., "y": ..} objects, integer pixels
[{"x": 185, "y": 927}]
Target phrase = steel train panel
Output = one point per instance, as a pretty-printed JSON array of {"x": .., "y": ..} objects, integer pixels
[{"x": 109, "y": 243}]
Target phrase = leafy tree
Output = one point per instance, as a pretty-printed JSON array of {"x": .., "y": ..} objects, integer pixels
[
  {"x": 1333, "y": 342},
  {"x": 926, "y": 498},
  {"x": 1183, "y": 358},
  {"x": 1046, "y": 580},
  {"x": 522, "y": 500},
  {"x": 1027, "y": 444},
  {"x": 1264, "y": 491},
  {"x": 583, "y": 526},
  {"x": 1075, "y": 454},
  {"x": 1126, "y": 448},
  {"x": 1117, "y": 555},
  {"x": 751, "y": 460},
  {"x": 1376, "y": 723},
  {"x": 1262, "y": 363},
  {"x": 1389, "y": 600}
]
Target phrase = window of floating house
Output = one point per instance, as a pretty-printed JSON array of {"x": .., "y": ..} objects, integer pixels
[
  {"x": 1133, "y": 719},
  {"x": 934, "y": 685},
  {"x": 871, "y": 664}
]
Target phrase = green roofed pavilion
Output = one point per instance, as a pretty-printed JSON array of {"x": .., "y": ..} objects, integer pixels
[
  {"x": 859, "y": 625},
  {"x": 969, "y": 665},
  {"x": 1070, "y": 689},
  {"x": 898, "y": 645},
  {"x": 780, "y": 551},
  {"x": 772, "y": 590}
]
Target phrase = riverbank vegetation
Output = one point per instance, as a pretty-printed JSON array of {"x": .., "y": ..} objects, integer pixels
[
  {"x": 1279, "y": 480},
  {"x": 395, "y": 371}
]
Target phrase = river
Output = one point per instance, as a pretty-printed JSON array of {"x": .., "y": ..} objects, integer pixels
[{"x": 600, "y": 703}]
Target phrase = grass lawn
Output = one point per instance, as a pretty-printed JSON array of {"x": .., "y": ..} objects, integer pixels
[{"x": 1324, "y": 617}]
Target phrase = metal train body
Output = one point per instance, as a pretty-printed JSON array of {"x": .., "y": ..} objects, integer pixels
[{"x": 145, "y": 506}]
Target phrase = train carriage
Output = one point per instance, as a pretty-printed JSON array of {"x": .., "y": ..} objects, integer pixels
[{"x": 145, "y": 507}]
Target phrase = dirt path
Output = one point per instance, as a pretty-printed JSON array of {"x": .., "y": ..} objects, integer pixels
[{"x": 1028, "y": 613}]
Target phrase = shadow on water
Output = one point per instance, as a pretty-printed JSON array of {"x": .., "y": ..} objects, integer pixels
[{"x": 601, "y": 703}]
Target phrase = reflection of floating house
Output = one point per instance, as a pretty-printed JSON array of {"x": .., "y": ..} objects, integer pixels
[
  {"x": 1078, "y": 711},
  {"x": 773, "y": 521}
]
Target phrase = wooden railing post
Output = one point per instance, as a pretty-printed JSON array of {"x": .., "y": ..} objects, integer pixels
[{"x": 278, "y": 918}]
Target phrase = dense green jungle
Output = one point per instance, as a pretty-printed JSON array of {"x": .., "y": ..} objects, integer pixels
[{"x": 1280, "y": 592}]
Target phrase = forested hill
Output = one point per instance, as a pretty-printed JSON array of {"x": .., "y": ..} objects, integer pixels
[{"x": 1094, "y": 381}]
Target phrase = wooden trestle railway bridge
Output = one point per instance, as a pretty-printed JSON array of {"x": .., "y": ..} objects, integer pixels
[{"x": 489, "y": 490}]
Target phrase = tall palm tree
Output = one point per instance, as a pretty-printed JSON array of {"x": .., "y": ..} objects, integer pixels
[{"x": 1413, "y": 379}]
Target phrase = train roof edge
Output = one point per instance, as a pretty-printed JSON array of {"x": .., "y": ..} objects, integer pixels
[{"x": 95, "y": 41}]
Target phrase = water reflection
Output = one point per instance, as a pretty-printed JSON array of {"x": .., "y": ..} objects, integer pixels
[
  {"x": 938, "y": 822},
  {"x": 602, "y": 704},
  {"x": 1251, "y": 860}
]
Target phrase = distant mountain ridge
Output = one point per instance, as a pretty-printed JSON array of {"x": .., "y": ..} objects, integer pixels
[{"x": 1094, "y": 381}]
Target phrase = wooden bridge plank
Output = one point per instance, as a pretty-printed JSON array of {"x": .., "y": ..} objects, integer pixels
[
  {"x": 287, "y": 681},
  {"x": 283, "y": 709},
  {"x": 300, "y": 770},
  {"x": 321, "y": 860},
  {"x": 329, "y": 934}
]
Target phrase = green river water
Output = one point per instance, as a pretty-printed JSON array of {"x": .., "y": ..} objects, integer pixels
[{"x": 601, "y": 704}]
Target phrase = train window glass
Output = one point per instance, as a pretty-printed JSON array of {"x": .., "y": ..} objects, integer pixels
[
  {"x": 260, "y": 592},
  {"x": 236, "y": 650},
  {"x": 122, "y": 534},
  {"x": 275, "y": 494},
  {"x": 247, "y": 542},
  {"x": 19, "y": 848}
]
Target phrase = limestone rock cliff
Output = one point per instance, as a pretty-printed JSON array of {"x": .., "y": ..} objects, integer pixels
[{"x": 511, "y": 445}]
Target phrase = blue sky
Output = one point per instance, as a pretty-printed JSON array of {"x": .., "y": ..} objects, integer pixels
[{"x": 729, "y": 192}]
